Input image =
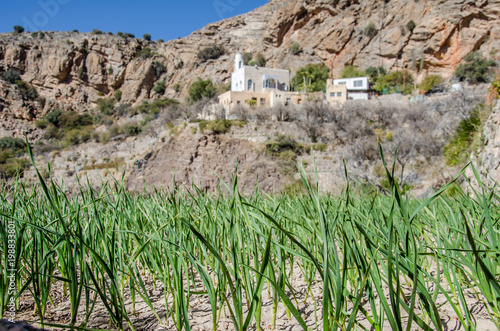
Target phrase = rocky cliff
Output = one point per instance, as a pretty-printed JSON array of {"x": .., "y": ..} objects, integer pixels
[{"x": 74, "y": 70}]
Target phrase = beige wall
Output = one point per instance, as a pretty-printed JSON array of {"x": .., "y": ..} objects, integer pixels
[{"x": 332, "y": 93}]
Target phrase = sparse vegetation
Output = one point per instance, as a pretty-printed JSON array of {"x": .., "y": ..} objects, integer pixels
[
  {"x": 118, "y": 95},
  {"x": 468, "y": 137},
  {"x": 476, "y": 69},
  {"x": 201, "y": 89},
  {"x": 96, "y": 32},
  {"x": 211, "y": 53},
  {"x": 147, "y": 37},
  {"x": 160, "y": 87},
  {"x": 247, "y": 57},
  {"x": 145, "y": 53},
  {"x": 370, "y": 30},
  {"x": 295, "y": 48}
]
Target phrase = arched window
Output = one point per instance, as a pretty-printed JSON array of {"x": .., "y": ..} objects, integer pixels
[
  {"x": 270, "y": 83},
  {"x": 250, "y": 84},
  {"x": 242, "y": 86},
  {"x": 239, "y": 64},
  {"x": 236, "y": 86}
]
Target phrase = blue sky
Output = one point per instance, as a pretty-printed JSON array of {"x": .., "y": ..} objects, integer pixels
[{"x": 165, "y": 19}]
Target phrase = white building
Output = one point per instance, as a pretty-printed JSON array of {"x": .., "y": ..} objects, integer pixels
[
  {"x": 258, "y": 79},
  {"x": 357, "y": 88}
]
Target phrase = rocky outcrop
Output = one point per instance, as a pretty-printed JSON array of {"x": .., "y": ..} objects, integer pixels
[
  {"x": 204, "y": 160},
  {"x": 73, "y": 70}
]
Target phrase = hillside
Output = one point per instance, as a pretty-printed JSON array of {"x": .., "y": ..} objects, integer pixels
[{"x": 74, "y": 70}]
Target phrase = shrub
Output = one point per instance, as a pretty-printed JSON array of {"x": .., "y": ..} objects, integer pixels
[
  {"x": 76, "y": 136},
  {"x": 411, "y": 26},
  {"x": 211, "y": 53},
  {"x": 370, "y": 30},
  {"x": 13, "y": 144},
  {"x": 201, "y": 89},
  {"x": 97, "y": 32},
  {"x": 260, "y": 60},
  {"x": 11, "y": 76},
  {"x": 155, "y": 106},
  {"x": 110, "y": 71},
  {"x": 145, "y": 53},
  {"x": 41, "y": 124},
  {"x": 118, "y": 95},
  {"x": 125, "y": 35},
  {"x": 219, "y": 126},
  {"x": 352, "y": 71},
  {"x": 475, "y": 70},
  {"x": 159, "y": 68},
  {"x": 160, "y": 87},
  {"x": 459, "y": 148},
  {"x": 315, "y": 77},
  {"x": 71, "y": 120},
  {"x": 295, "y": 48},
  {"x": 27, "y": 90},
  {"x": 18, "y": 29},
  {"x": 282, "y": 143},
  {"x": 431, "y": 83},
  {"x": 107, "y": 106},
  {"x": 147, "y": 37},
  {"x": 12, "y": 166},
  {"x": 54, "y": 116},
  {"x": 132, "y": 129},
  {"x": 320, "y": 147},
  {"x": 160, "y": 41},
  {"x": 247, "y": 57},
  {"x": 177, "y": 87}
]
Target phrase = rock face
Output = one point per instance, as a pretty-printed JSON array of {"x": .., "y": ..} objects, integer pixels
[
  {"x": 73, "y": 70},
  {"x": 202, "y": 160}
]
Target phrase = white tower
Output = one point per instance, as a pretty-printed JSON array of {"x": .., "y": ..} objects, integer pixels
[{"x": 238, "y": 61}]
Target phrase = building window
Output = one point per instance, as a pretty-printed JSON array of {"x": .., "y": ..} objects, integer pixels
[
  {"x": 339, "y": 94},
  {"x": 341, "y": 83},
  {"x": 287, "y": 101},
  {"x": 262, "y": 101},
  {"x": 236, "y": 86},
  {"x": 358, "y": 83},
  {"x": 332, "y": 94},
  {"x": 239, "y": 64},
  {"x": 270, "y": 83},
  {"x": 299, "y": 101},
  {"x": 250, "y": 84},
  {"x": 238, "y": 102}
]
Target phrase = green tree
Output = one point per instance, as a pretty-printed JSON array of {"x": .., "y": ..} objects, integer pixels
[
  {"x": 397, "y": 81},
  {"x": 18, "y": 29},
  {"x": 352, "y": 71},
  {"x": 247, "y": 57},
  {"x": 476, "y": 69},
  {"x": 430, "y": 82},
  {"x": 201, "y": 89},
  {"x": 314, "y": 75},
  {"x": 260, "y": 60},
  {"x": 411, "y": 25},
  {"x": 374, "y": 72},
  {"x": 147, "y": 37}
]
